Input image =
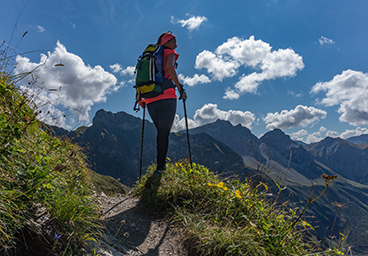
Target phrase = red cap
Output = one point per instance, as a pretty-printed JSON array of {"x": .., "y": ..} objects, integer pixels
[{"x": 166, "y": 38}]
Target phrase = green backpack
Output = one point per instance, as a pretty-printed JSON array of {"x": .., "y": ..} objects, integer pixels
[{"x": 149, "y": 72}]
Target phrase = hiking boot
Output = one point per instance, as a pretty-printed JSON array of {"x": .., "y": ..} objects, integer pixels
[{"x": 158, "y": 172}]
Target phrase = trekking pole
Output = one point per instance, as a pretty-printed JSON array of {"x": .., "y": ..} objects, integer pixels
[
  {"x": 141, "y": 157},
  {"x": 186, "y": 124}
]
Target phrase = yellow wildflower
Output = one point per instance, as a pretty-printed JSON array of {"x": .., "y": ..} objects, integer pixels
[
  {"x": 238, "y": 194},
  {"x": 221, "y": 185}
]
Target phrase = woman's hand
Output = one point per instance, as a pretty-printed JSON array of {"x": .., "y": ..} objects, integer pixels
[{"x": 183, "y": 95}]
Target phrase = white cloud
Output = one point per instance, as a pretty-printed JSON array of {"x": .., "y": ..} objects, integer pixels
[
  {"x": 192, "y": 23},
  {"x": 324, "y": 40},
  {"x": 314, "y": 137},
  {"x": 216, "y": 65},
  {"x": 300, "y": 116},
  {"x": 249, "y": 53},
  {"x": 230, "y": 94},
  {"x": 40, "y": 29},
  {"x": 179, "y": 124},
  {"x": 71, "y": 23},
  {"x": 209, "y": 113},
  {"x": 128, "y": 71},
  {"x": 352, "y": 133},
  {"x": 74, "y": 86},
  {"x": 196, "y": 79},
  {"x": 299, "y": 134},
  {"x": 350, "y": 91},
  {"x": 299, "y": 95},
  {"x": 304, "y": 136},
  {"x": 332, "y": 134},
  {"x": 116, "y": 68}
]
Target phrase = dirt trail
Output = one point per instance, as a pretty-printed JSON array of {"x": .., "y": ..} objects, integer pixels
[{"x": 131, "y": 231}]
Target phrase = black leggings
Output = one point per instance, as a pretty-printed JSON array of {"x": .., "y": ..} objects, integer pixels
[{"x": 162, "y": 113}]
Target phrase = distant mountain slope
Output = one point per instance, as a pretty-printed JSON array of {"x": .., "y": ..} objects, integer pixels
[
  {"x": 290, "y": 154},
  {"x": 358, "y": 139},
  {"x": 113, "y": 144},
  {"x": 213, "y": 154},
  {"x": 238, "y": 138},
  {"x": 343, "y": 157}
]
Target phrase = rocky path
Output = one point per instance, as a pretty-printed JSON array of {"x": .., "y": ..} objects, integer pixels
[{"x": 131, "y": 231}]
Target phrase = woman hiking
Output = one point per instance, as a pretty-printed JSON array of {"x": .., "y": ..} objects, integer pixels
[{"x": 162, "y": 108}]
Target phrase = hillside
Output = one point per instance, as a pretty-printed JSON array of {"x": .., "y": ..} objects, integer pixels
[
  {"x": 46, "y": 203},
  {"x": 345, "y": 158},
  {"x": 358, "y": 139}
]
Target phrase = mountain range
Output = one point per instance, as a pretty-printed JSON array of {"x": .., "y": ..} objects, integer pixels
[{"x": 113, "y": 144}]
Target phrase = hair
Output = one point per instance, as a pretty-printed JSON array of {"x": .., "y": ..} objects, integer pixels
[{"x": 161, "y": 36}]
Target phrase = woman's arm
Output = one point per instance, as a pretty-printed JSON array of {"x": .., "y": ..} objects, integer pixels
[{"x": 170, "y": 62}]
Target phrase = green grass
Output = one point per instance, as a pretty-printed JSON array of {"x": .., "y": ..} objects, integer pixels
[
  {"x": 106, "y": 184},
  {"x": 38, "y": 169},
  {"x": 225, "y": 216}
]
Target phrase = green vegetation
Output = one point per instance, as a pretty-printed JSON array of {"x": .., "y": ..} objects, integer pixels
[
  {"x": 225, "y": 216},
  {"x": 40, "y": 173},
  {"x": 106, "y": 184}
]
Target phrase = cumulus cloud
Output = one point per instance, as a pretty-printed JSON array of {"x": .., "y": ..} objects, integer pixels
[
  {"x": 216, "y": 66},
  {"x": 128, "y": 71},
  {"x": 332, "y": 134},
  {"x": 73, "y": 86},
  {"x": 249, "y": 53},
  {"x": 322, "y": 133},
  {"x": 300, "y": 116},
  {"x": 196, "y": 79},
  {"x": 304, "y": 136},
  {"x": 192, "y": 23},
  {"x": 116, "y": 68},
  {"x": 230, "y": 94},
  {"x": 179, "y": 124},
  {"x": 350, "y": 91},
  {"x": 324, "y": 40},
  {"x": 352, "y": 133},
  {"x": 314, "y": 137},
  {"x": 40, "y": 29},
  {"x": 209, "y": 113}
]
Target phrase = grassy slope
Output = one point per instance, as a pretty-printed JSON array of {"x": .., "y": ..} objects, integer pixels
[
  {"x": 225, "y": 217},
  {"x": 106, "y": 184},
  {"x": 40, "y": 173}
]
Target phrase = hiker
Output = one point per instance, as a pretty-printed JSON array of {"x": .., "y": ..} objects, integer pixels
[{"x": 162, "y": 108}]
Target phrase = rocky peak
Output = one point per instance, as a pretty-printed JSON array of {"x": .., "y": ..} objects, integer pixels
[
  {"x": 119, "y": 120},
  {"x": 278, "y": 139}
]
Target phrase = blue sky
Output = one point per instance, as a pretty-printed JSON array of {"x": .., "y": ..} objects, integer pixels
[{"x": 300, "y": 66}]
